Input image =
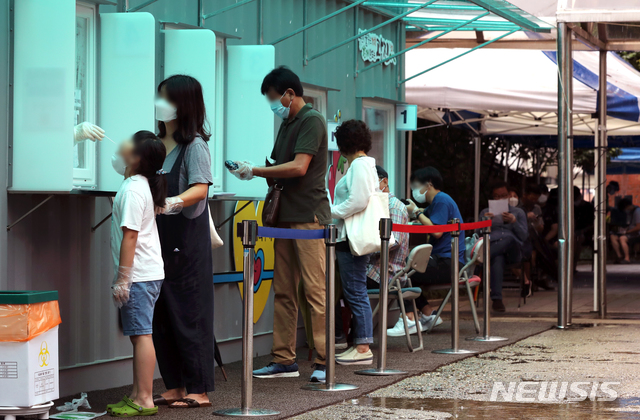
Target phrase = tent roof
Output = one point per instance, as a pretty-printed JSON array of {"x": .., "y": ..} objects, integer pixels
[{"x": 514, "y": 92}]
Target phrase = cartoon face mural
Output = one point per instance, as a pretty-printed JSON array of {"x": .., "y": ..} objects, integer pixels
[{"x": 264, "y": 259}]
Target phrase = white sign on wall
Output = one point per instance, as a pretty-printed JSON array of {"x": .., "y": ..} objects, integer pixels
[
  {"x": 374, "y": 48},
  {"x": 331, "y": 134},
  {"x": 406, "y": 117}
]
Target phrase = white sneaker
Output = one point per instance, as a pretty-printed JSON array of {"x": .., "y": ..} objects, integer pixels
[
  {"x": 427, "y": 321},
  {"x": 356, "y": 358},
  {"x": 398, "y": 329},
  {"x": 345, "y": 353}
]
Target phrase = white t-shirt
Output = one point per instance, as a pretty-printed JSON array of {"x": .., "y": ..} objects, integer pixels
[{"x": 133, "y": 208}]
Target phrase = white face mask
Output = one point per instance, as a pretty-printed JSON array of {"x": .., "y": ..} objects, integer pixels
[
  {"x": 513, "y": 202},
  {"x": 420, "y": 197},
  {"x": 118, "y": 164},
  {"x": 165, "y": 111},
  {"x": 543, "y": 199}
]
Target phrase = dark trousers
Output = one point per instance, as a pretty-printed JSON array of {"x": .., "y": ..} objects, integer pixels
[
  {"x": 504, "y": 251},
  {"x": 438, "y": 272},
  {"x": 183, "y": 334}
]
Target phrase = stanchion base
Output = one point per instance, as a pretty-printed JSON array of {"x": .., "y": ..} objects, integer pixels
[
  {"x": 251, "y": 412},
  {"x": 487, "y": 339},
  {"x": 454, "y": 351},
  {"x": 562, "y": 327},
  {"x": 379, "y": 372},
  {"x": 329, "y": 388}
]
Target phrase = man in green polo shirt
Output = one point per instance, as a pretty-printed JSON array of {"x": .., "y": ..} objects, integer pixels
[{"x": 300, "y": 154}]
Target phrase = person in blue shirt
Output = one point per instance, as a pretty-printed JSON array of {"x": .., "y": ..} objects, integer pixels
[
  {"x": 508, "y": 233},
  {"x": 426, "y": 187}
]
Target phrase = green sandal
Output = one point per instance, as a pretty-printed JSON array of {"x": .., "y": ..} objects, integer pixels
[
  {"x": 119, "y": 404},
  {"x": 131, "y": 409}
]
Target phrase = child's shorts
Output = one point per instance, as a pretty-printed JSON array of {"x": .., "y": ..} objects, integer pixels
[{"x": 137, "y": 314}]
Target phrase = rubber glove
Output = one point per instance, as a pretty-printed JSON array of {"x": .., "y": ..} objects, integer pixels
[
  {"x": 122, "y": 286},
  {"x": 87, "y": 131},
  {"x": 412, "y": 208},
  {"x": 341, "y": 163},
  {"x": 244, "y": 171},
  {"x": 172, "y": 205}
]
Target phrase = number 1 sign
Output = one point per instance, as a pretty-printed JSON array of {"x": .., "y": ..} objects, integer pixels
[{"x": 406, "y": 117}]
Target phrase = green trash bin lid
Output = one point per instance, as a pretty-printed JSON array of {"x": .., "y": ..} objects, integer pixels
[{"x": 25, "y": 297}]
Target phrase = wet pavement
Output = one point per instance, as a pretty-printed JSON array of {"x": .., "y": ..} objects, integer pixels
[
  {"x": 412, "y": 408},
  {"x": 590, "y": 371}
]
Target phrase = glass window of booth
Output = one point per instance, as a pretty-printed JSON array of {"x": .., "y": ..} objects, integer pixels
[
  {"x": 317, "y": 98},
  {"x": 84, "y": 156},
  {"x": 379, "y": 118}
]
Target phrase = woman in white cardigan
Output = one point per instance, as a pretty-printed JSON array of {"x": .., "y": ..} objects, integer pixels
[{"x": 352, "y": 195}]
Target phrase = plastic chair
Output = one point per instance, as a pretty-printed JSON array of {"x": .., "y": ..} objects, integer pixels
[
  {"x": 467, "y": 281},
  {"x": 416, "y": 263}
]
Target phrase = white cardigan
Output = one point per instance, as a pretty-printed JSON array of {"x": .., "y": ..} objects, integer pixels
[{"x": 353, "y": 191}]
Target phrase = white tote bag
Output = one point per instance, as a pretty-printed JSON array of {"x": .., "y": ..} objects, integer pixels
[
  {"x": 216, "y": 241},
  {"x": 363, "y": 229}
]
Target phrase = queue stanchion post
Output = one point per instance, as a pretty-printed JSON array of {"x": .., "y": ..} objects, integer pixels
[
  {"x": 455, "y": 292},
  {"x": 249, "y": 237},
  {"x": 385, "y": 235},
  {"x": 330, "y": 329},
  {"x": 486, "y": 289}
]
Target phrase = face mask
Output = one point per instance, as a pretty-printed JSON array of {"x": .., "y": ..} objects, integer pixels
[
  {"x": 513, "y": 202},
  {"x": 118, "y": 164},
  {"x": 420, "y": 197},
  {"x": 279, "y": 109},
  {"x": 543, "y": 199},
  {"x": 164, "y": 111}
]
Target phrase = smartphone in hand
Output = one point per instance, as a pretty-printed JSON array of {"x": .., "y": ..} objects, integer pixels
[{"x": 231, "y": 165}]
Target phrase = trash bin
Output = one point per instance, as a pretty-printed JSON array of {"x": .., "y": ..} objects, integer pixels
[{"x": 28, "y": 348}]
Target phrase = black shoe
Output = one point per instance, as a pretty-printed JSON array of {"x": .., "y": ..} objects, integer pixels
[
  {"x": 498, "y": 306},
  {"x": 526, "y": 290}
]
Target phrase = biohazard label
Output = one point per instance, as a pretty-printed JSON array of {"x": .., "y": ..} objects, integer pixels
[
  {"x": 8, "y": 370},
  {"x": 44, "y": 382}
]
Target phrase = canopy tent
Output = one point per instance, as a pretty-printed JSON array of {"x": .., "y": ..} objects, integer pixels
[
  {"x": 626, "y": 163},
  {"x": 513, "y": 94}
]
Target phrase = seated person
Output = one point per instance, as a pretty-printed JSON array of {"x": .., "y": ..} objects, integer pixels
[
  {"x": 398, "y": 253},
  {"x": 550, "y": 219},
  {"x": 508, "y": 233},
  {"x": 529, "y": 204},
  {"x": 426, "y": 187},
  {"x": 584, "y": 213},
  {"x": 624, "y": 234}
]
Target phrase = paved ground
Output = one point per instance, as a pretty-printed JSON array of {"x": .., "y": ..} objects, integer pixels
[
  {"x": 592, "y": 354},
  {"x": 286, "y": 396}
]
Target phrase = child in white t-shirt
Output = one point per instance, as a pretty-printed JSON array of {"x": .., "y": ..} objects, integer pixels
[{"x": 137, "y": 258}]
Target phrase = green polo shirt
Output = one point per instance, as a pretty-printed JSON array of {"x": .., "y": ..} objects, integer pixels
[{"x": 305, "y": 197}]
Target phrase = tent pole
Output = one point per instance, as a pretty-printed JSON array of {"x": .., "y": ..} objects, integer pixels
[
  {"x": 476, "y": 178},
  {"x": 565, "y": 65},
  {"x": 537, "y": 167},
  {"x": 506, "y": 162},
  {"x": 571, "y": 237},
  {"x": 409, "y": 166},
  {"x": 600, "y": 237}
]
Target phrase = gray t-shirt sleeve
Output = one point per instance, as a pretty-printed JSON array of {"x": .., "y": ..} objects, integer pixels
[
  {"x": 196, "y": 169},
  {"x": 197, "y": 162}
]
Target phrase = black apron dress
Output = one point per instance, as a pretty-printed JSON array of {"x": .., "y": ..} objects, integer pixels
[{"x": 183, "y": 317}]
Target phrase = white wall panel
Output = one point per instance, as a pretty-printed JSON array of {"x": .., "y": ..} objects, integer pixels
[
  {"x": 127, "y": 84},
  {"x": 44, "y": 54},
  {"x": 250, "y": 121},
  {"x": 193, "y": 52}
]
